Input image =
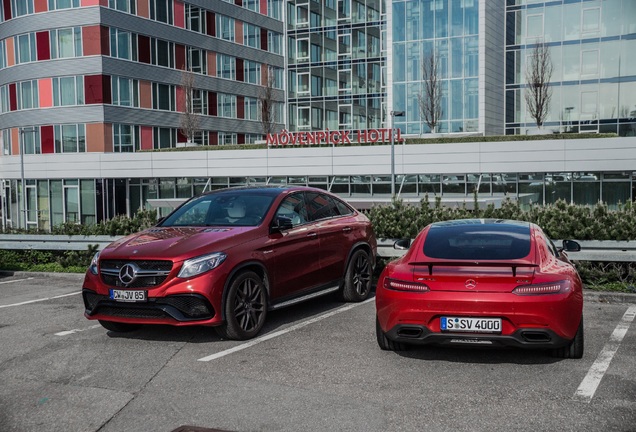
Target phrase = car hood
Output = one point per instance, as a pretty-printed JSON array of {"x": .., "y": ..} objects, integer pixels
[{"x": 177, "y": 243}]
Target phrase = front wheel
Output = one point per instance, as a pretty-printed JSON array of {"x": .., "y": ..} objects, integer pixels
[
  {"x": 245, "y": 307},
  {"x": 575, "y": 349},
  {"x": 119, "y": 327},
  {"x": 357, "y": 283}
]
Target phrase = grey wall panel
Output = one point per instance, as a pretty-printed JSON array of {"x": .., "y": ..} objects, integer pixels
[
  {"x": 49, "y": 116},
  {"x": 163, "y": 31},
  {"x": 54, "y": 68},
  {"x": 51, "y": 20}
]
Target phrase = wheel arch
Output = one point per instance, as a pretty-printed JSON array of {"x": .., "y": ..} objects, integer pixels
[
  {"x": 255, "y": 266},
  {"x": 360, "y": 245}
]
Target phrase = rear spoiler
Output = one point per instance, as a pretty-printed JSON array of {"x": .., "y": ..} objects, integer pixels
[{"x": 513, "y": 265}]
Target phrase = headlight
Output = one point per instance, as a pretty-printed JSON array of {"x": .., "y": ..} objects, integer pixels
[
  {"x": 93, "y": 266},
  {"x": 198, "y": 265}
]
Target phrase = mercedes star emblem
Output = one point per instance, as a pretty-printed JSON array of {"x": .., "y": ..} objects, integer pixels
[
  {"x": 470, "y": 284},
  {"x": 128, "y": 273}
]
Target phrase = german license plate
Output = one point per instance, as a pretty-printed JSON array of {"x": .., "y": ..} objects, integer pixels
[
  {"x": 128, "y": 295},
  {"x": 470, "y": 325}
]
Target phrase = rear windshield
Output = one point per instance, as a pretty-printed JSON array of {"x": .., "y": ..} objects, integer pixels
[{"x": 478, "y": 241}]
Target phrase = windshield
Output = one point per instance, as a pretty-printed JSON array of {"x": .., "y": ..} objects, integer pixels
[
  {"x": 478, "y": 241},
  {"x": 221, "y": 210}
]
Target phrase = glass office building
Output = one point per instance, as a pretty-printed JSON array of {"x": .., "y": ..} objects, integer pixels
[
  {"x": 592, "y": 45},
  {"x": 336, "y": 55}
]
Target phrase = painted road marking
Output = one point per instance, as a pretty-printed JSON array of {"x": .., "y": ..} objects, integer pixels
[
  {"x": 15, "y": 280},
  {"x": 70, "y": 332},
  {"x": 39, "y": 300},
  {"x": 282, "y": 332},
  {"x": 590, "y": 383}
]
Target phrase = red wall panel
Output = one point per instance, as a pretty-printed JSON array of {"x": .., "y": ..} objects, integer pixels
[
  {"x": 97, "y": 89},
  {"x": 240, "y": 70},
  {"x": 240, "y": 107},
  {"x": 13, "y": 98},
  {"x": 7, "y": 9},
  {"x": 211, "y": 23},
  {"x": 180, "y": 56},
  {"x": 212, "y": 103},
  {"x": 48, "y": 139},
  {"x": 44, "y": 47},
  {"x": 143, "y": 44}
]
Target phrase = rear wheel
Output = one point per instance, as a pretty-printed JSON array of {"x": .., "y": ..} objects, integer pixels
[
  {"x": 245, "y": 307},
  {"x": 357, "y": 284},
  {"x": 119, "y": 327},
  {"x": 384, "y": 342},
  {"x": 575, "y": 349}
]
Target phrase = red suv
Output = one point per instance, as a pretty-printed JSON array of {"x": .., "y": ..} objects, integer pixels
[{"x": 227, "y": 257}]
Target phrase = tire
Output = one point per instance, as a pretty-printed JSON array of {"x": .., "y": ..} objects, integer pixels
[
  {"x": 384, "y": 342},
  {"x": 245, "y": 307},
  {"x": 119, "y": 327},
  {"x": 574, "y": 350},
  {"x": 357, "y": 283}
]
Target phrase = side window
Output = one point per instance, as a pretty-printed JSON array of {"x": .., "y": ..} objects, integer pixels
[
  {"x": 343, "y": 208},
  {"x": 294, "y": 208},
  {"x": 321, "y": 206}
]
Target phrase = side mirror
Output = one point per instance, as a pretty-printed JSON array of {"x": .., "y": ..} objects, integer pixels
[
  {"x": 571, "y": 246},
  {"x": 281, "y": 223},
  {"x": 402, "y": 244}
]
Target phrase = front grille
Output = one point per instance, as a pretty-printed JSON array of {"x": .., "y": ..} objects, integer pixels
[
  {"x": 178, "y": 307},
  {"x": 150, "y": 273}
]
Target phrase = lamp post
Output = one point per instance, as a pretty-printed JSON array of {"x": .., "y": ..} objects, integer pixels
[
  {"x": 393, "y": 115},
  {"x": 23, "y": 191}
]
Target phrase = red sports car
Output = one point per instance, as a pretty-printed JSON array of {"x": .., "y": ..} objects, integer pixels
[
  {"x": 477, "y": 282},
  {"x": 227, "y": 257}
]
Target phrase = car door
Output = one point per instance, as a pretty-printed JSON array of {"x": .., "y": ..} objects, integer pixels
[
  {"x": 293, "y": 254},
  {"x": 335, "y": 233}
]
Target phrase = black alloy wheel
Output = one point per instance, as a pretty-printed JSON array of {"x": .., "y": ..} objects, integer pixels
[
  {"x": 245, "y": 307},
  {"x": 357, "y": 284}
]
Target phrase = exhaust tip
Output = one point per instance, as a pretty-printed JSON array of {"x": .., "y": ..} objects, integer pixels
[
  {"x": 536, "y": 336},
  {"x": 410, "y": 332}
]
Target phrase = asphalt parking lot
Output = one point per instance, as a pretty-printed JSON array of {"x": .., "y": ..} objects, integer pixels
[{"x": 316, "y": 367}]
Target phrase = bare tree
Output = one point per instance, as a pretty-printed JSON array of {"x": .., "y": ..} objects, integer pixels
[
  {"x": 430, "y": 99},
  {"x": 190, "y": 121},
  {"x": 266, "y": 101},
  {"x": 538, "y": 91}
]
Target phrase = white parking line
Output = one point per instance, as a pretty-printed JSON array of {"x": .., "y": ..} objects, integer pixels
[
  {"x": 15, "y": 280},
  {"x": 70, "y": 332},
  {"x": 39, "y": 300},
  {"x": 590, "y": 383},
  {"x": 282, "y": 332}
]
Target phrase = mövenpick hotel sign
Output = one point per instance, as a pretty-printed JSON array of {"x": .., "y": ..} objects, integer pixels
[{"x": 327, "y": 137}]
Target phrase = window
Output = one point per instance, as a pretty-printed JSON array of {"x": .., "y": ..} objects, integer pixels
[
  {"x": 161, "y": 53},
  {"x": 31, "y": 141},
  {"x": 201, "y": 138},
  {"x": 125, "y": 138},
  {"x": 278, "y": 77},
  {"x": 275, "y": 9},
  {"x": 226, "y": 105},
  {"x": 21, "y": 7},
  {"x": 5, "y": 144},
  {"x": 66, "y": 43},
  {"x": 303, "y": 84},
  {"x": 25, "y": 50},
  {"x": 252, "y": 72},
  {"x": 123, "y": 5},
  {"x": 200, "y": 102},
  {"x": 225, "y": 27},
  {"x": 161, "y": 10},
  {"x": 302, "y": 50},
  {"x": 251, "y": 108},
  {"x": 252, "y": 5},
  {"x": 3, "y": 55},
  {"x": 63, "y": 4},
  {"x": 252, "y": 138},
  {"x": 274, "y": 42},
  {"x": 195, "y": 19},
  {"x": 320, "y": 206},
  {"x": 251, "y": 35},
  {"x": 294, "y": 208},
  {"x": 27, "y": 94},
  {"x": 197, "y": 61},
  {"x": 68, "y": 91},
  {"x": 125, "y": 91},
  {"x": 70, "y": 138},
  {"x": 163, "y": 97},
  {"x": 227, "y": 138},
  {"x": 164, "y": 137},
  {"x": 226, "y": 66},
  {"x": 4, "y": 99},
  {"x": 123, "y": 44}
]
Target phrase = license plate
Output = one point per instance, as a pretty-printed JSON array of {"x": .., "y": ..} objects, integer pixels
[
  {"x": 128, "y": 296},
  {"x": 470, "y": 325}
]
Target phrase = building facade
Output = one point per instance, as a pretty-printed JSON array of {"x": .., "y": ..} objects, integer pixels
[{"x": 86, "y": 85}]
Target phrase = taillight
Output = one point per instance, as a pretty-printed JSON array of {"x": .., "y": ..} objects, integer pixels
[
  {"x": 540, "y": 289},
  {"x": 399, "y": 285}
]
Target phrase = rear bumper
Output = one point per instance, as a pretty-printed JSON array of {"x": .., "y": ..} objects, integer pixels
[{"x": 522, "y": 338}]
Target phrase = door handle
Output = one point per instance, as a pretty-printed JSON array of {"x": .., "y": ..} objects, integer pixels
[
  {"x": 347, "y": 229},
  {"x": 312, "y": 234}
]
